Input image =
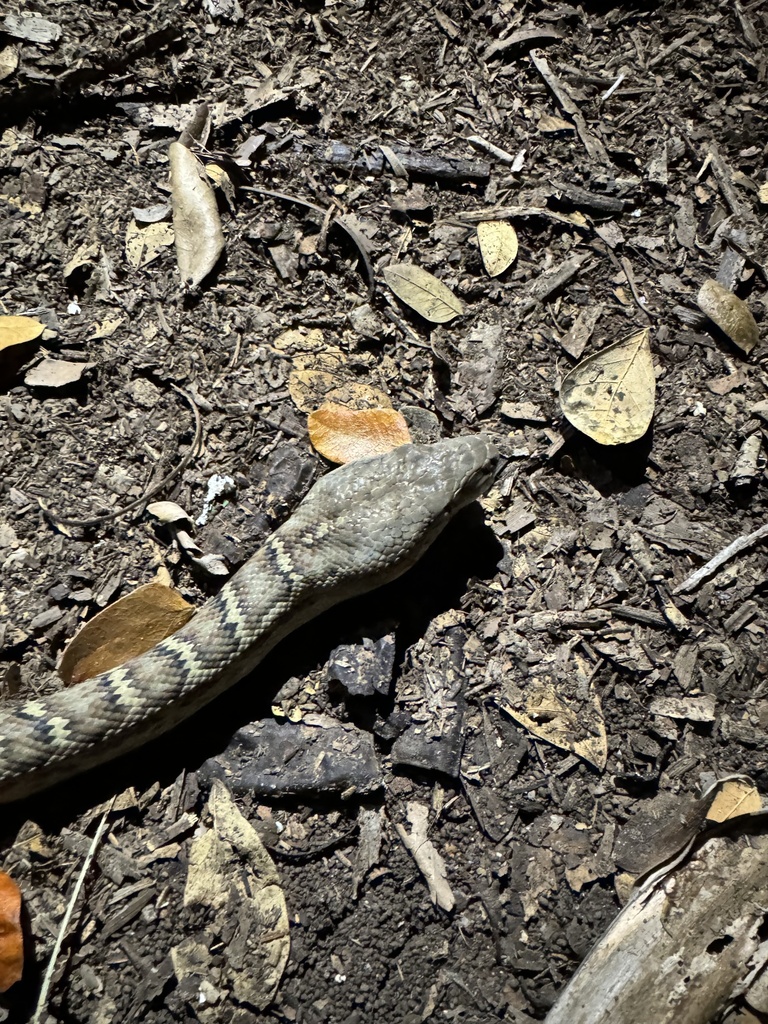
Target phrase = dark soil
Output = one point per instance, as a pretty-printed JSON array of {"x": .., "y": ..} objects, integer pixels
[{"x": 568, "y": 579}]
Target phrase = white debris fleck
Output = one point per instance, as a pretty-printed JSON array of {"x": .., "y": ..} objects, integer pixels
[{"x": 217, "y": 486}]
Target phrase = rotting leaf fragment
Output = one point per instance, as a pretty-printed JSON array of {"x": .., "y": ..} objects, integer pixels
[{"x": 610, "y": 396}]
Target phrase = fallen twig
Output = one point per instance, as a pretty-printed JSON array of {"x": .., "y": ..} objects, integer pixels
[{"x": 727, "y": 553}]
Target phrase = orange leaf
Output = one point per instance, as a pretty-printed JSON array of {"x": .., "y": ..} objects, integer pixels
[
  {"x": 345, "y": 435},
  {"x": 11, "y": 938},
  {"x": 125, "y": 629}
]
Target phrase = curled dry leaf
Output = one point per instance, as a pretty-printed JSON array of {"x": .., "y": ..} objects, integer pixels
[
  {"x": 196, "y": 222},
  {"x": 15, "y": 330},
  {"x": 125, "y": 629},
  {"x": 498, "y": 245},
  {"x": 345, "y": 435},
  {"x": 610, "y": 396},
  {"x": 545, "y": 714},
  {"x": 168, "y": 512},
  {"x": 731, "y": 314},
  {"x": 569, "y": 716},
  {"x": 423, "y": 292},
  {"x": 11, "y": 937}
]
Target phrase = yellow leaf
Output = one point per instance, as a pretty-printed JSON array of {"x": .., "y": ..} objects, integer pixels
[
  {"x": 735, "y": 797},
  {"x": 345, "y": 435},
  {"x": 15, "y": 330},
  {"x": 423, "y": 292},
  {"x": 610, "y": 396},
  {"x": 125, "y": 629},
  {"x": 498, "y": 245},
  {"x": 731, "y": 314}
]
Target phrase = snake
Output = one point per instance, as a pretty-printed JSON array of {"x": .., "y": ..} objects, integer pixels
[{"x": 359, "y": 526}]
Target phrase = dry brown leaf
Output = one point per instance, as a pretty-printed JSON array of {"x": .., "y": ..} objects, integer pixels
[
  {"x": 125, "y": 629},
  {"x": 56, "y": 373},
  {"x": 145, "y": 242},
  {"x": 735, "y": 797},
  {"x": 196, "y": 222},
  {"x": 11, "y": 936},
  {"x": 731, "y": 314},
  {"x": 345, "y": 435},
  {"x": 15, "y": 330},
  {"x": 423, "y": 292},
  {"x": 498, "y": 245},
  {"x": 168, "y": 512},
  {"x": 610, "y": 396}
]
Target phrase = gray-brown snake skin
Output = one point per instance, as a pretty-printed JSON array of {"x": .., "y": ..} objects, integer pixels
[{"x": 358, "y": 527}]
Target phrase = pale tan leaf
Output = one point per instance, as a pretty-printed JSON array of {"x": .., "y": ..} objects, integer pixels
[
  {"x": 736, "y": 796},
  {"x": 579, "y": 728},
  {"x": 610, "y": 396},
  {"x": 559, "y": 704},
  {"x": 731, "y": 314},
  {"x": 423, "y": 292},
  {"x": 168, "y": 512},
  {"x": 125, "y": 629},
  {"x": 762, "y": 193},
  {"x": 428, "y": 860},
  {"x": 56, "y": 373},
  {"x": 498, "y": 245},
  {"x": 232, "y": 877},
  {"x": 345, "y": 435},
  {"x": 145, "y": 242},
  {"x": 105, "y": 329},
  {"x": 196, "y": 222},
  {"x": 311, "y": 388},
  {"x": 9, "y": 61},
  {"x": 550, "y": 124},
  {"x": 15, "y": 330}
]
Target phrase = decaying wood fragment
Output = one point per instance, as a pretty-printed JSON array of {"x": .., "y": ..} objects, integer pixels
[
  {"x": 357, "y": 160},
  {"x": 687, "y": 945}
]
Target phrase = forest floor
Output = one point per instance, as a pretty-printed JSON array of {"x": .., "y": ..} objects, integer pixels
[{"x": 543, "y": 679}]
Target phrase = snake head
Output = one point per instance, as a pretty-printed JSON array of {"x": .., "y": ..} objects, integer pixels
[{"x": 373, "y": 519}]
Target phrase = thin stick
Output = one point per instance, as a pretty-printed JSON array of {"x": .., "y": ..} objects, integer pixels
[
  {"x": 42, "y": 999},
  {"x": 727, "y": 553}
]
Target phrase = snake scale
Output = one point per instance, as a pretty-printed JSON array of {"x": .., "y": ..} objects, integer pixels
[{"x": 360, "y": 526}]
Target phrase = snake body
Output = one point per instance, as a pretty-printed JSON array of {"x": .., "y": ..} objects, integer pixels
[{"x": 360, "y": 526}]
